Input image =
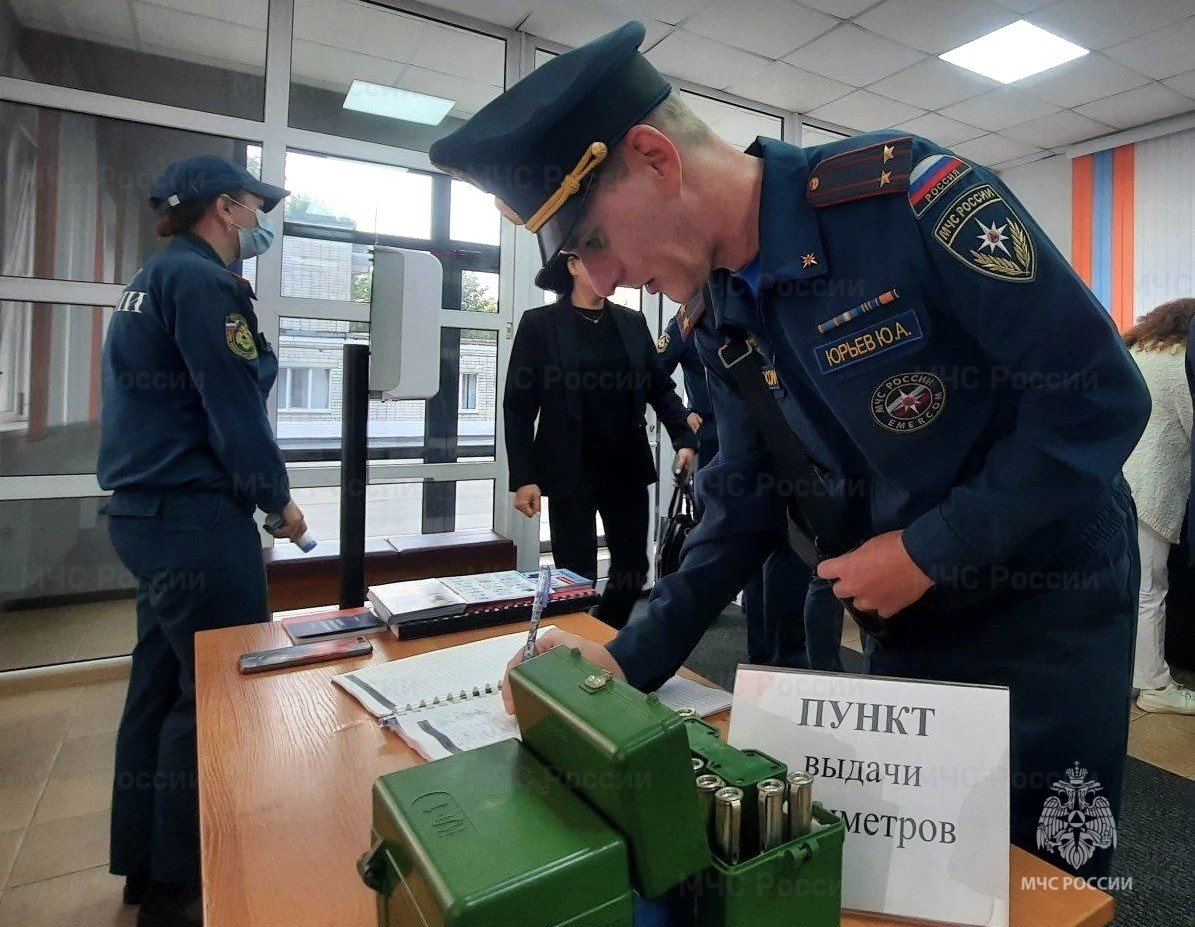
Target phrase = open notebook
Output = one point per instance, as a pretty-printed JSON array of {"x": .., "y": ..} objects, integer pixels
[{"x": 450, "y": 700}]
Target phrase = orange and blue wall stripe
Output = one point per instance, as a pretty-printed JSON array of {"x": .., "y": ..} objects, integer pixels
[{"x": 1102, "y": 228}]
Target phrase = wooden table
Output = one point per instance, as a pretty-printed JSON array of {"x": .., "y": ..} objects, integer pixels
[{"x": 286, "y": 763}]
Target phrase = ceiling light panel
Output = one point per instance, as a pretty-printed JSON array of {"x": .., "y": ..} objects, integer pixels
[
  {"x": 1014, "y": 52},
  {"x": 395, "y": 103}
]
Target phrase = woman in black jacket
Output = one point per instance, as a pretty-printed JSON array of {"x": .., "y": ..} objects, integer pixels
[{"x": 587, "y": 368}]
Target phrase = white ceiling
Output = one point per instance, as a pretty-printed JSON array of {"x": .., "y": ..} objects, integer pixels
[
  {"x": 871, "y": 64},
  {"x": 854, "y": 64},
  {"x": 335, "y": 41}
]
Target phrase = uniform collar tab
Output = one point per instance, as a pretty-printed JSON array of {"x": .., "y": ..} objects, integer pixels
[{"x": 790, "y": 243}]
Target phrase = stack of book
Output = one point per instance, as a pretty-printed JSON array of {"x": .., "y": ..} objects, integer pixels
[{"x": 422, "y": 607}]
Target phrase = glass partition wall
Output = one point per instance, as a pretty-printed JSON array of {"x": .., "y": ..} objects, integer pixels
[{"x": 95, "y": 100}]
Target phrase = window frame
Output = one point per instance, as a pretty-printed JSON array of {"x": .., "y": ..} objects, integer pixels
[
  {"x": 515, "y": 258},
  {"x": 285, "y": 382},
  {"x": 467, "y": 377}
]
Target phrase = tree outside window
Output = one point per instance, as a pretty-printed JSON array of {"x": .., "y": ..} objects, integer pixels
[{"x": 479, "y": 292}]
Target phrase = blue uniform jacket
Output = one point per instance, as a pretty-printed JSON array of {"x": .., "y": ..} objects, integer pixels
[
  {"x": 675, "y": 350},
  {"x": 185, "y": 378},
  {"x": 934, "y": 352}
]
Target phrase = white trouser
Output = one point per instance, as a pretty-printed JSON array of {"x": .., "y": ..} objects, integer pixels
[{"x": 1149, "y": 659}]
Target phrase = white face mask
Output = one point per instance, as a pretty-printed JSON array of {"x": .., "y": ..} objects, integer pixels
[{"x": 254, "y": 241}]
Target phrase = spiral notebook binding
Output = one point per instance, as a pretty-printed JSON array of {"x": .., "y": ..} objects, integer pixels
[{"x": 451, "y": 698}]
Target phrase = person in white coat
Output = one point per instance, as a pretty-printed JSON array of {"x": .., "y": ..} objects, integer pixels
[{"x": 1159, "y": 472}]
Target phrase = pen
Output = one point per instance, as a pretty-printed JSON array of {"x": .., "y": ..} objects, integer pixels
[{"x": 542, "y": 594}]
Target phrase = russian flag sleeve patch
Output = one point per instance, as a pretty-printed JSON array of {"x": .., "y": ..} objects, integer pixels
[{"x": 931, "y": 177}]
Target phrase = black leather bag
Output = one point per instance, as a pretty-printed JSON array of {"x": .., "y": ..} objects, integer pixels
[{"x": 674, "y": 529}]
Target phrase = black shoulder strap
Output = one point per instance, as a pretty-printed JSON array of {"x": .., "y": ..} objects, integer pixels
[
  {"x": 816, "y": 528},
  {"x": 809, "y": 504}
]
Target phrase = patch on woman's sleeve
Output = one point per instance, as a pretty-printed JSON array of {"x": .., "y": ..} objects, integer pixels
[
  {"x": 982, "y": 230},
  {"x": 238, "y": 336}
]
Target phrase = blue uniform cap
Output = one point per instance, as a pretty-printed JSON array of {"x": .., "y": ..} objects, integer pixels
[
  {"x": 537, "y": 147},
  {"x": 205, "y": 177}
]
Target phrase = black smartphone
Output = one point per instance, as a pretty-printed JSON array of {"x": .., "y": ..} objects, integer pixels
[
  {"x": 341, "y": 625},
  {"x": 301, "y": 654}
]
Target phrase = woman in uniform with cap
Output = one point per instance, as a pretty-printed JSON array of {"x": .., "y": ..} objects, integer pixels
[{"x": 188, "y": 453}]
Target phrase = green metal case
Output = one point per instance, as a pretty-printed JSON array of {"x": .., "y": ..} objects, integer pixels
[
  {"x": 491, "y": 838},
  {"x": 600, "y": 796},
  {"x": 625, "y": 753},
  {"x": 799, "y": 882},
  {"x": 743, "y": 769}
]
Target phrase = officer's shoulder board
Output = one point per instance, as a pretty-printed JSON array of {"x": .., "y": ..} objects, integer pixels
[{"x": 874, "y": 170}]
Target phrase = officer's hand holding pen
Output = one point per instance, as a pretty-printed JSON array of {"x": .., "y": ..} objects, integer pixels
[
  {"x": 590, "y": 650},
  {"x": 879, "y": 575}
]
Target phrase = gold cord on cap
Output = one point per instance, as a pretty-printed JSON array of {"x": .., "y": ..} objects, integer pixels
[{"x": 594, "y": 155}]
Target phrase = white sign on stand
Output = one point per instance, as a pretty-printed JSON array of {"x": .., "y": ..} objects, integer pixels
[{"x": 919, "y": 770}]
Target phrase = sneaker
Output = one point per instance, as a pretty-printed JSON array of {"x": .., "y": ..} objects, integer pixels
[{"x": 1174, "y": 698}]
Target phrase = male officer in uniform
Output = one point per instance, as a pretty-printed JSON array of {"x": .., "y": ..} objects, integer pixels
[
  {"x": 793, "y": 618},
  {"x": 968, "y": 401},
  {"x": 677, "y": 347}
]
